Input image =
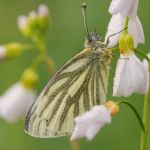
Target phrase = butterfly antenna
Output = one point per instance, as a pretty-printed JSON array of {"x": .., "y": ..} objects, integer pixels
[
  {"x": 85, "y": 18},
  {"x": 107, "y": 41}
]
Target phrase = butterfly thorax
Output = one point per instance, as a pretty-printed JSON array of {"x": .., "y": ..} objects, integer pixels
[{"x": 97, "y": 47}]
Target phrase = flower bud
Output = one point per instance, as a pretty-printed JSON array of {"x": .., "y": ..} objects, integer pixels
[
  {"x": 2, "y": 52},
  {"x": 113, "y": 107},
  {"x": 12, "y": 50},
  {"x": 43, "y": 10},
  {"x": 29, "y": 78},
  {"x": 33, "y": 20},
  {"x": 23, "y": 25},
  {"x": 43, "y": 17}
]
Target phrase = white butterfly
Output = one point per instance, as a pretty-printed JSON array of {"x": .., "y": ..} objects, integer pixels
[{"x": 79, "y": 85}]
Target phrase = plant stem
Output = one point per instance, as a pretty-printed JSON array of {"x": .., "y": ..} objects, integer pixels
[
  {"x": 28, "y": 47},
  {"x": 146, "y": 112},
  {"x": 135, "y": 112},
  {"x": 146, "y": 120},
  {"x": 74, "y": 145},
  {"x": 126, "y": 24},
  {"x": 142, "y": 54},
  {"x": 48, "y": 60},
  {"x": 38, "y": 60}
]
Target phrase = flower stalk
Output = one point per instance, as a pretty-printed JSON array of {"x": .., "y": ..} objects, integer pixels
[
  {"x": 36, "y": 62},
  {"x": 135, "y": 112},
  {"x": 48, "y": 60},
  {"x": 74, "y": 145},
  {"x": 146, "y": 112},
  {"x": 126, "y": 24},
  {"x": 140, "y": 52},
  {"x": 146, "y": 120}
]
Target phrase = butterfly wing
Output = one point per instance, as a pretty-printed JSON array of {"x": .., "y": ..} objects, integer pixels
[{"x": 79, "y": 85}]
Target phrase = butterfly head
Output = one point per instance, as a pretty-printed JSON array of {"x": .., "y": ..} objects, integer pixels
[
  {"x": 93, "y": 37},
  {"x": 93, "y": 40}
]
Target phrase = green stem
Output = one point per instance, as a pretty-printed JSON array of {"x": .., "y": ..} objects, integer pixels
[
  {"x": 74, "y": 145},
  {"x": 135, "y": 112},
  {"x": 48, "y": 60},
  {"x": 146, "y": 120},
  {"x": 142, "y": 54},
  {"x": 126, "y": 24},
  {"x": 36, "y": 62},
  {"x": 28, "y": 47}
]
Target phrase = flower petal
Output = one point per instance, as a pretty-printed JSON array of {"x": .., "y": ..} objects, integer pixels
[
  {"x": 93, "y": 129},
  {"x": 124, "y": 7},
  {"x": 43, "y": 10},
  {"x": 133, "y": 10},
  {"x": 120, "y": 6},
  {"x": 117, "y": 6},
  {"x": 115, "y": 25},
  {"x": 131, "y": 77},
  {"x": 136, "y": 29},
  {"x": 88, "y": 124},
  {"x": 15, "y": 102},
  {"x": 2, "y": 52}
]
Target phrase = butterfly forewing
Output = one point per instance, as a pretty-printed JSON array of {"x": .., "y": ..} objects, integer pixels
[{"x": 79, "y": 85}]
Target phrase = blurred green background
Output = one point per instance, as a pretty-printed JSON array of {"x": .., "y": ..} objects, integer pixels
[{"x": 65, "y": 38}]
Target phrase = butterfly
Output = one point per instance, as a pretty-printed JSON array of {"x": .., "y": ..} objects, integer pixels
[{"x": 80, "y": 84}]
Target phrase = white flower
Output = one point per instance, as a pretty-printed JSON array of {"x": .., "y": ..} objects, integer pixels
[
  {"x": 88, "y": 124},
  {"x": 120, "y": 9},
  {"x": 124, "y": 7},
  {"x": 22, "y": 22},
  {"x": 43, "y": 10},
  {"x": 131, "y": 76},
  {"x": 15, "y": 102},
  {"x": 116, "y": 24},
  {"x": 2, "y": 52}
]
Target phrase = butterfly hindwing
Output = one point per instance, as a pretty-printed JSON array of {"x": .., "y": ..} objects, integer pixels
[{"x": 79, "y": 85}]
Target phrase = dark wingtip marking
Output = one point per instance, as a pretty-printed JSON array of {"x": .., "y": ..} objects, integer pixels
[{"x": 26, "y": 125}]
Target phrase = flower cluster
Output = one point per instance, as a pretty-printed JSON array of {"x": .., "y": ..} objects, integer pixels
[
  {"x": 16, "y": 101},
  {"x": 33, "y": 23},
  {"x": 120, "y": 9},
  {"x": 131, "y": 74}
]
